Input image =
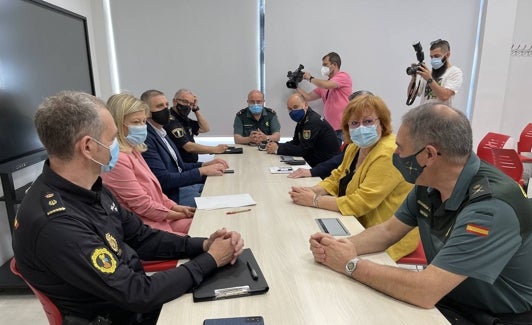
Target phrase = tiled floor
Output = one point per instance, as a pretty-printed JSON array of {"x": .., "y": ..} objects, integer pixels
[{"x": 20, "y": 307}]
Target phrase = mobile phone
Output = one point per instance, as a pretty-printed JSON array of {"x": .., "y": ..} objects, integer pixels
[
  {"x": 249, "y": 320},
  {"x": 229, "y": 171}
]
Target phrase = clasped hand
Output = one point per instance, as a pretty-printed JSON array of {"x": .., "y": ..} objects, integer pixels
[
  {"x": 332, "y": 252},
  {"x": 224, "y": 246},
  {"x": 302, "y": 196}
]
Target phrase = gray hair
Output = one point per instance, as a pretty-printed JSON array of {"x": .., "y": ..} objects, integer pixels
[
  {"x": 148, "y": 94},
  {"x": 182, "y": 92},
  {"x": 446, "y": 128},
  {"x": 66, "y": 117}
]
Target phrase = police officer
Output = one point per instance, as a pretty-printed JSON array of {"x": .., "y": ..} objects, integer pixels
[
  {"x": 181, "y": 129},
  {"x": 256, "y": 123},
  {"x": 76, "y": 244},
  {"x": 314, "y": 139}
]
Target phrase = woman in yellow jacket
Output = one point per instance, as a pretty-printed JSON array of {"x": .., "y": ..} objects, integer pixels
[{"x": 366, "y": 184}]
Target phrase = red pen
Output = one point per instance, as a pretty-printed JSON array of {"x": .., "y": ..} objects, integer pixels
[{"x": 237, "y": 211}]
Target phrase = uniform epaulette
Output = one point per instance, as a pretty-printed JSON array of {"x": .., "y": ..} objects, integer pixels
[
  {"x": 52, "y": 203},
  {"x": 479, "y": 189},
  {"x": 270, "y": 110},
  {"x": 242, "y": 111}
]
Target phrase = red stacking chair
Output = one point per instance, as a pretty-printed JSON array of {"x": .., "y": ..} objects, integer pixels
[
  {"x": 508, "y": 161},
  {"x": 154, "y": 266},
  {"x": 525, "y": 139},
  {"x": 491, "y": 140},
  {"x": 50, "y": 309},
  {"x": 417, "y": 257}
]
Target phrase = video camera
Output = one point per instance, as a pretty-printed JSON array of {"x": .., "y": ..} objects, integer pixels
[
  {"x": 420, "y": 58},
  {"x": 295, "y": 77}
]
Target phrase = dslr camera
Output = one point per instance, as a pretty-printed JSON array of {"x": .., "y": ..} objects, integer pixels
[
  {"x": 295, "y": 77},
  {"x": 420, "y": 58}
]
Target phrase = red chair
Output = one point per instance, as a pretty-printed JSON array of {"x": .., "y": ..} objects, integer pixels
[
  {"x": 525, "y": 139},
  {"x": 50, "y": 309},
  {"x": 509, "y": 162},
  {"x": 491, "y": 140},
  {"x": 155, "y": 266},
  {"x": 417, "y": 257}
]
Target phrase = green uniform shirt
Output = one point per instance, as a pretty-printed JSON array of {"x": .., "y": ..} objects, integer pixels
[{"x": 245, "y": 122}]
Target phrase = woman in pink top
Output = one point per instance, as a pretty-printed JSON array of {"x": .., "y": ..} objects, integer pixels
[{"x": 131, "y": 180}]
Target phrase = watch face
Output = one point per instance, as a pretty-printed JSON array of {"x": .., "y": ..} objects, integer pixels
[{"x": 350, "y": 266}]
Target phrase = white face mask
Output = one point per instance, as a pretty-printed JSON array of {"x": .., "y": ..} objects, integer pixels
[{"x": 325, "y": 71}]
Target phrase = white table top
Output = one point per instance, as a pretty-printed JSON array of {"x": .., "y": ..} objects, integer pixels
[{"x": 277, "y": 231}]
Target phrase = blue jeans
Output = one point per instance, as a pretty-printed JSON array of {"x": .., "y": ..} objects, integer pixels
[{"x": 188, "y": 193}]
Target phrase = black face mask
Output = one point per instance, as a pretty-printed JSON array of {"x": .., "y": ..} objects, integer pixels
[
  {"x": 183, "y": 110},
  {"x": 161, "y": 117}
]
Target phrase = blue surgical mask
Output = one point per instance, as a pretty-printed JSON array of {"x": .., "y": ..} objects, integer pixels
[
  {"x": 255, "y": 109},
  {"x": 436, "y": 63},
  {"x": 364, "y": 136},
  {"x": 297, "y": 115},
  {"x": 408, "y": 166},
  {"x": 114, "y": 150},
  {"x": 136, "y": 134}
]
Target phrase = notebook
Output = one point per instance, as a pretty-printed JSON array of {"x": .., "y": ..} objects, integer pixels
[{"x": 232, "y": 281}]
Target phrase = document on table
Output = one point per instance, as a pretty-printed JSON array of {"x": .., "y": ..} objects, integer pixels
[
  {"x": 224, "y": 201},
  {"x": 281, "y": 170}
]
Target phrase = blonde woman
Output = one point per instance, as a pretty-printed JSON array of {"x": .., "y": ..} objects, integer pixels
[
  {"x": 366, "y": 184},
  {"x": 131, "y": 180}
]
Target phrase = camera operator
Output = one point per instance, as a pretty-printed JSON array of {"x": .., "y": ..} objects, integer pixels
[
  {"x": 443, "y": 82},
  {"x": 334, "y": 91}
]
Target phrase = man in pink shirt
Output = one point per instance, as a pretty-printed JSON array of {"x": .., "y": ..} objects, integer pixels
[{"x": 334, "y": 91}]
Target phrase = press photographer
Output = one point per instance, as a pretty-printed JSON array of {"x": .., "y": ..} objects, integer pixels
[
  {"x": 333, "y": 91},
  {"x": 438, "y": 84}
]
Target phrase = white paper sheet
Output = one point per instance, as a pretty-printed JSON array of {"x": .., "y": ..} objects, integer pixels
[{"x": 224, "y": 201}]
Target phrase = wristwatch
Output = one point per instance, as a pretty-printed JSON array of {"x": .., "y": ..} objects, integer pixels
[
  {"x": 429, "y": 81},
  {"x": 351, "y": 266}
]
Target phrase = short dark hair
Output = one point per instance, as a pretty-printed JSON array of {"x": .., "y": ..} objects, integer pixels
[
  {"x": 358, "y": 93},
  {"x": 148, "y": 94},
  {"x": 440, "y": 43},
  {"x": 333, "y": 58}
]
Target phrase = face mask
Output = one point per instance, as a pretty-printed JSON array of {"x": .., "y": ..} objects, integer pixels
[
  {"x": 184, "y": 110},
  {"x": 255, "y": 109},
  {"x": 297, "y": 115},
  {"x": 136, "y": 134},
  {"x": 408, "y": 166},
  {"x": 325, "y": 71},
  {"x": 114, "y": 150},
  {"x": 364, "y": 136},
  {"x": 436, "y": 63},
  {"x": 161, "y": 117}
]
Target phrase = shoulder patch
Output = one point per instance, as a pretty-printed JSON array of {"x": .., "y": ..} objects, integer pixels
[
  {"x": 306, "y": 134},
  {"x": 52, "y": 203},
  {"x": 242, "y": 111},
  {"x": 103, "y": 260},
  {"x": 178, "y": 132}
]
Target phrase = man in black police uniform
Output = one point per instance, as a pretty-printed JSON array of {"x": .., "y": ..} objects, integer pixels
[
  {"x": 256, "y": 123},
  {"x": 76, "y": 244},
  {"x": 181, "y": 129},
  {"x": 314, "y": 139}
]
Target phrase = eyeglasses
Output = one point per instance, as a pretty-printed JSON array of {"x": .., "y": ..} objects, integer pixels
[
  {"x": 366, "y": 122},
  {"x": 184, "y": 102}
]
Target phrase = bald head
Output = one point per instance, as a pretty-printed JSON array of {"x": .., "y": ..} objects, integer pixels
[{"x": 296, "y": 100}]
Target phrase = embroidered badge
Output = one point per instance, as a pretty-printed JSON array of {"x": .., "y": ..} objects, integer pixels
[
  {"x": 267, "y": 123},
  {"x": 477, "y": 230},
  {"x": 112, "y": 242},
  {"x": 306, "y": 134},
  {"x": 15, "y": 223},
  {"x": 178, "y": 132},
  {"x": 103, "y": 260}
]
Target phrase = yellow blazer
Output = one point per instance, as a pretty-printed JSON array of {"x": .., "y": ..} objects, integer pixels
[{"x": 375, "y": 192}]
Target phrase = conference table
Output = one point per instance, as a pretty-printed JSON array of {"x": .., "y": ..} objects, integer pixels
[{"x": 277, "y": 231}]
